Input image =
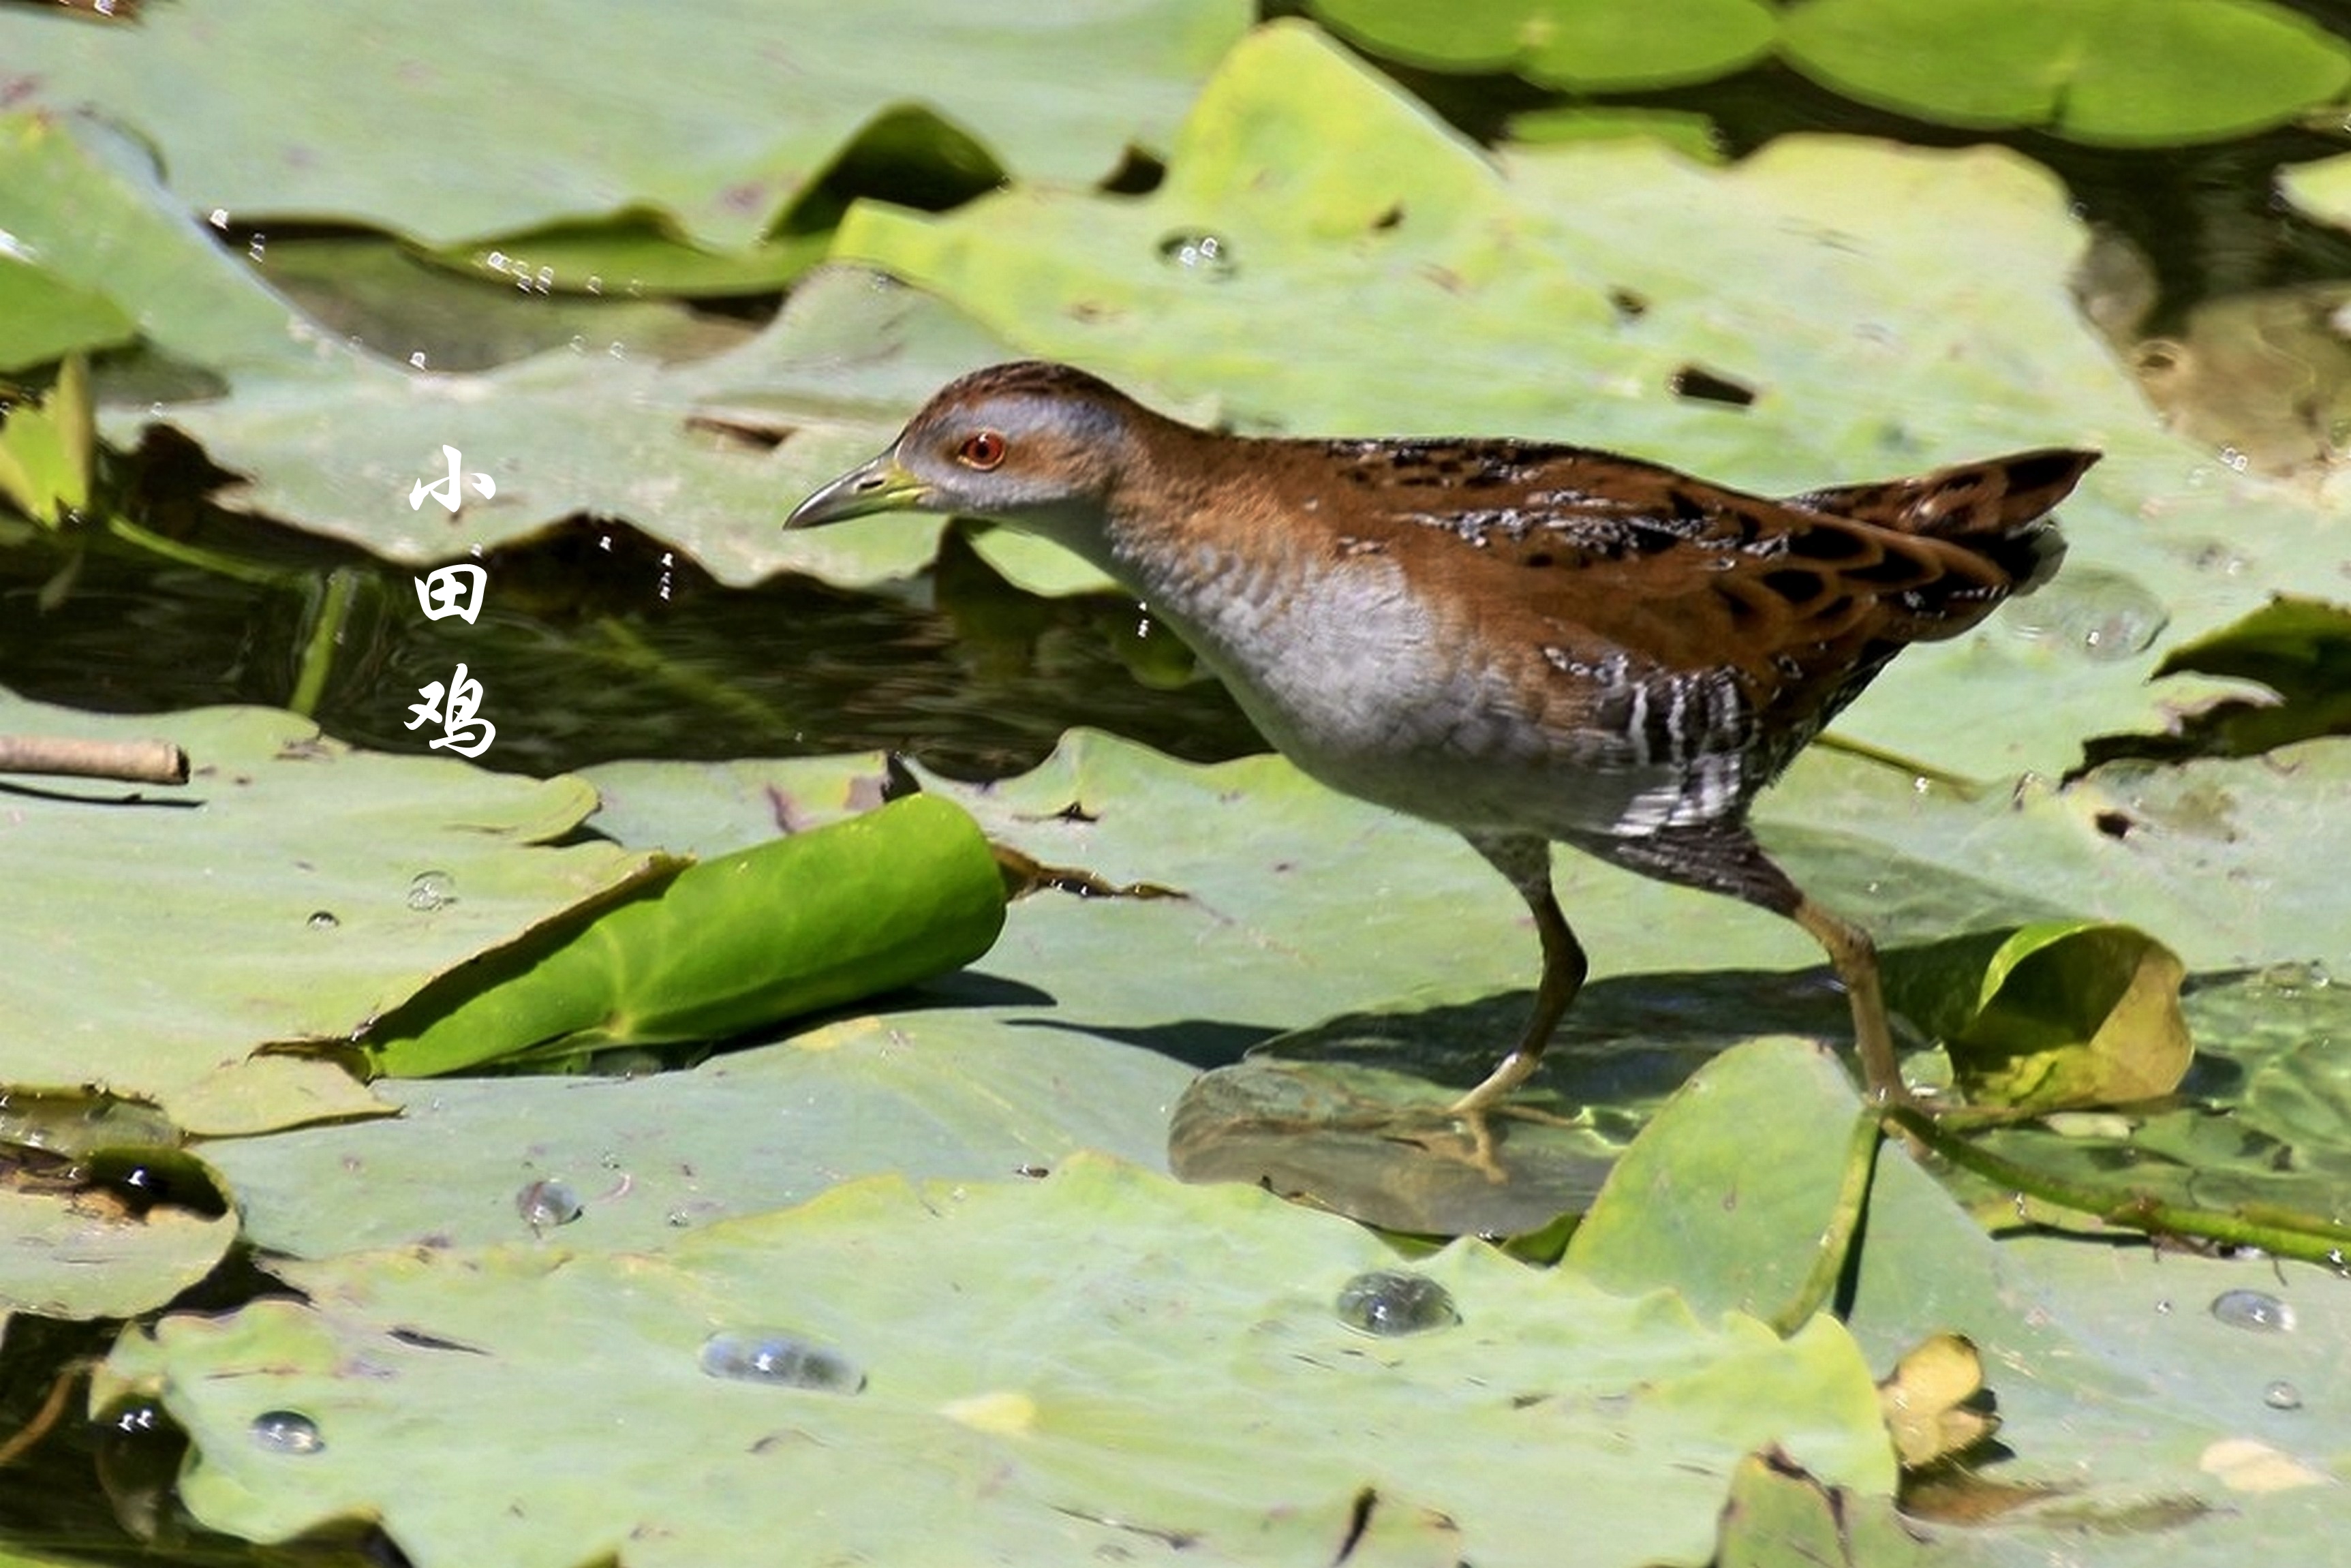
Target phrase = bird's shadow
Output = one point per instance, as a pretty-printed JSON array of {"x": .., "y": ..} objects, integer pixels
[{"x": 1629, "y": 1039}]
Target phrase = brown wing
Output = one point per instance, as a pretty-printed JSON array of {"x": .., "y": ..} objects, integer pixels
[{"x": 1805, "y": 598}]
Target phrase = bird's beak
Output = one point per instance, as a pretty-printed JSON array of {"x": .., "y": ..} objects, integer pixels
[{"x": 882, "y": 485}]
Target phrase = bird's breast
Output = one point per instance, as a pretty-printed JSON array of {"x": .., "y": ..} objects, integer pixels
[{"x": 1374, "y": 688}]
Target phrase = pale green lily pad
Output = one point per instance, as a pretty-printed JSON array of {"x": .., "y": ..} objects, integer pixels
[
  {"x": 1020, "y": 1400},
  {"x": 80, "y": 1251},
  {"x": 294, "y": 889},
  {"x": 1817, "y": 266},
  {"x": 2109, "y": 71},
  {"x": 338, "y": 438},
  {"x": 1588, "y": 45},
  {"x": 314, "y": 114},
  {"x": 2117, "y": 1387},
  {"x": 928, "y": 1091},
  {"x": 2296, "y": 649}
]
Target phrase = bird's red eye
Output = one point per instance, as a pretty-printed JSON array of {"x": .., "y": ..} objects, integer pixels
[{"x": 982, "y": 450}]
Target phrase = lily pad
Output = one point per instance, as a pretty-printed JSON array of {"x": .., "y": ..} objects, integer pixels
[
  {"x": 1589, "y": 46},
  {"x": 2109, "y": 71},
  {"x": 310, "y": 116},
  {"x": 929, "y": 1091},
  {"x": 295, "y": 889},
  {"x": 337, "y": 438},
  {"x": 77, "y": 1247},
  {"x": 2321, "y": 188},
  {"x": 44, "y": 316},
  {"x": 1034, "y": 1410},
  {"x": 1602, "y": 274}
]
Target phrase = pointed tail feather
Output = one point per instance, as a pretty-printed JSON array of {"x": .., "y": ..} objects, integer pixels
[{"x": 1998, "y": 508}]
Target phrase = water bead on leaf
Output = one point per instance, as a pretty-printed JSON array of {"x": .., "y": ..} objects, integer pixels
[
  {"x": 2255, "y": 1310},
  {"x": 1392, "y": 1302},
  {"x": 778, "y": 1358},
  {"x": 287, "y": 1432}
]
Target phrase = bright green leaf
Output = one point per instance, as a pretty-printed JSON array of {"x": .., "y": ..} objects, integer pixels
[
  {"x": 1589, "y": 46},
  {"x": 800, "y": 923},
  {"x": 47, "y": 448},
  {"x": 2117, "y": 72}
]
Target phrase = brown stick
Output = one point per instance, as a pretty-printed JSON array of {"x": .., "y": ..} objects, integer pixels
[{"x": 133, "y": 761}]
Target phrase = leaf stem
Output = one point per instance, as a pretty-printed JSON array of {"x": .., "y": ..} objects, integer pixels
[{"x": 2280, "y": 1232}]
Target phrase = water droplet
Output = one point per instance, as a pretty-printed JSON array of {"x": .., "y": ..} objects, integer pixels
[
  {"x": 322, "y": 920},
  {"x": 774, "y": 1356},
  {"x": 256, "y": 249},
  {"x": 544, "y": 1205},
  {"x": 287, "y": 1432},
  {"x": 1391, "y": 1301},
  {"x": 2282, "y": 1395},
  {"x": 2255, "y": 1310},
  {"x": 419, "y": 361},
  {"x": 2104, "y": 616},
  {"x": 1203, "y": 255},
  {"x": 431, "y": 890}
]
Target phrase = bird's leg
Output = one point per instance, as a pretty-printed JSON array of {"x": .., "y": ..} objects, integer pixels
[
  {"x": 1726, "y": 859},
  {"x": 1527, "y": 863},
  {"x": 1854, "y": 954}
]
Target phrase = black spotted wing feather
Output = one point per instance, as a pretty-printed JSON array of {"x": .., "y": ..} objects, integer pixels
[{"x": 1802, "y": 602}]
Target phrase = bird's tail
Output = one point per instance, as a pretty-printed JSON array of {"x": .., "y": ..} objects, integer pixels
[{"x": 1997, "y": 509}]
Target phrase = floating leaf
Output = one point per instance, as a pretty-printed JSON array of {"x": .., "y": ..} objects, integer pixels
[
  {"x": 162, "y": 936},
  {"x": 1183, "y": 1375},
  {"x": 401, "y": 126},
  {"x": 121, "y": 1231},
  {"x": 1588, "y": 45},
  {"x": 44, "y": 316},
  {"x": 2119, "y": 72}
]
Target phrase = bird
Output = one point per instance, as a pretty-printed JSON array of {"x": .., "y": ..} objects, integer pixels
[{"x": 1528, "y": 642}]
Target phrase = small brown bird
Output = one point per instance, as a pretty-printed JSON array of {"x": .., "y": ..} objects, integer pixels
[{"x": 1527, "y": 643}]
